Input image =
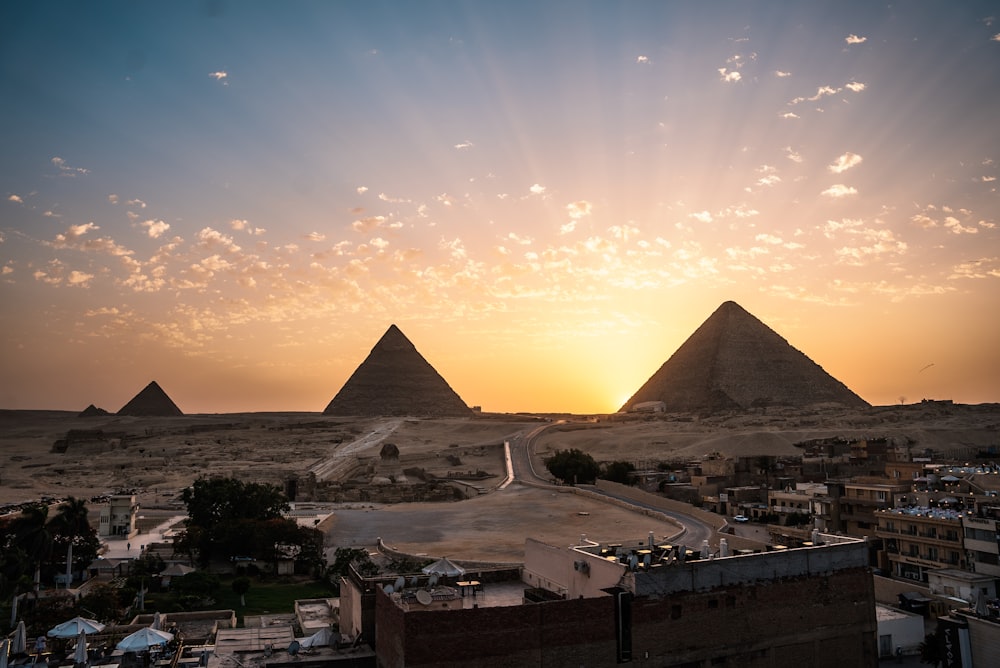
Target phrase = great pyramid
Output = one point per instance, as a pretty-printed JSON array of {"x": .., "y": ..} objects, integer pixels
[
  {"x": 152, "y": 401},
  {"x": 735, "y": 362},
  {"x": 395, "y": 380}
]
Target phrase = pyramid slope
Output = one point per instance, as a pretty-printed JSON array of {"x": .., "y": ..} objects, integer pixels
[
  {"x": 93, "y": 411},
  {"x": 152, "y": 401},
  {"x": 395, "y": 380},
  {"x": 733, "y": 361}
]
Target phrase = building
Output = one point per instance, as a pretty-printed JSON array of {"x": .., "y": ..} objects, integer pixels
[
  {"x": 804, "y": 499},
  {"x": 899, "y": 632},
  {"x": 982, "y": 544},
  {"x": 859, "y": 499},
  {"x": 920, "y": 539},
  {"x": 118, "y": 516},
  {"x": 645, "y": 601}
]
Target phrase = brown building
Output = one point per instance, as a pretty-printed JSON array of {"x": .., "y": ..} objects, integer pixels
[
  {"x": 921, "y": 539},
  {"x": 601, "y": 605}
]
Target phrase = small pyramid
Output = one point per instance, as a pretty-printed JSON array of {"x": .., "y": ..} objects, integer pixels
[
  {"x": 735, "y": 362},
  {"x": 395, "y": 380},
  {"x": 151, "y": 402},
  {"x": 92, "y": 411}
]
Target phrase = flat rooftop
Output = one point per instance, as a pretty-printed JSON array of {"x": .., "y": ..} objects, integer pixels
[{"x": 454, "y": 597}]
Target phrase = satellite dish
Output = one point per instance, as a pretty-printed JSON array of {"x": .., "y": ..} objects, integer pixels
[
  {"x": 400, "y": 583},
  {"x": 414, "y": 581},
  {"x": 294, "y": 647},
  {"x": 388, "y": 589},
  {"x": 424, "y": 597},
  {"x": 433, "y": 580}
]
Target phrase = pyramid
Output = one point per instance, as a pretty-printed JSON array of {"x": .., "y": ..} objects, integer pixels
[
  {"x": 396, "y": 380},
  {"x": 93, "y": 411},
  {"x": 151, "y": 402},
  {"x": 734, "y": 362}
]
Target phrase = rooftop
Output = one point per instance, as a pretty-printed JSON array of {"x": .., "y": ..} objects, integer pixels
[{"x": 924, "y": 511}]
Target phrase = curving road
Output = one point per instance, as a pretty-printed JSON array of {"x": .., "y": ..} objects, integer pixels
[{"x": 522, "y": 470}]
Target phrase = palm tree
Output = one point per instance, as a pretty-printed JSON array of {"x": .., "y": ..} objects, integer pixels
[
  {"x": 71, "y": 524},
  {"x": 32, "y": 534}
]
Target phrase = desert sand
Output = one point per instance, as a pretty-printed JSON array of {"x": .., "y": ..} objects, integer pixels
[{"x": 158, "y": 457}]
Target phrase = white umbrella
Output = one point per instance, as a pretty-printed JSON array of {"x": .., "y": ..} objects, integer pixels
[
  {"x": 75, "y": 627},
  {"x": 80, "y": 654},
  {"x": 20, "y": 644},
  {"x": 157, "y": 622},
  {"x": 143, "y": 639},
  {"x": 443, "y": 567},
  {"x": 319, "y": 639},
  {"x": 4, "y": 650}
]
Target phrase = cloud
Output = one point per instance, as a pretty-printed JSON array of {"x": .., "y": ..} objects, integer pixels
[
  {"x": 136, "y": 202},
  {"x": 155, "y": 228},
  {"x": 209, "y": 238},
  {"x": 245, "y": 226},
  {"x": 789, "y": 114},
  {"x": 856, "y": 86},
  {"x": 642, "y": 60},
  {"x": 854, "y": 39},
  {"x": 315, "y": 236},
  {"x": 79, "y": 279},
  {"x": 15, "y": 198},
  {"x": 729, "y": 76},
  {"x": 701, "y": 216},
  {"x": 368, "y": 223},
  {"x": 875, "y": 242},
  {"x": 792, "y": 154},
  {"x": 579, "y": 209},
  {"x": 845, "y": 162},
  {"x": 840, "y": 190},
  {"x": 113, "y": 198},
  {"x": 995, "y": 38},
  {"x": 955, "y": 226},
  {"x": 67, "y": 170},
  {"x": 221, "y": 76},
  {"x": 464, "y": 145},
  {"x": 781, "y": 74},
  {"x": 985, "y": 267},
  {"x": 79, "y": 230},
  {"x": 537, "y": 189}
]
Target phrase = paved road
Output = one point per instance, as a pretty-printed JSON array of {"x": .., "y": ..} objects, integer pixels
[{"x": 521, "y": 449}]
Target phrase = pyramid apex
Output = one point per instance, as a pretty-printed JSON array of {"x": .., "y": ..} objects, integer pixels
[
  {"x": 395, "y": 379},
  {"x": 151, "y": 401},
  {"x": 733, "y": 361}
]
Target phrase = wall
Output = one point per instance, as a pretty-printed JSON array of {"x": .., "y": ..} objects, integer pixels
[
  {"x": 567, "y": 633},
  {"x": 801, "y": 621},
  {"x": 552, "y": 568}
]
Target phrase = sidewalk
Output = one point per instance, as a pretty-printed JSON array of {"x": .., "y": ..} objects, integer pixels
[{"x": 131, "y": 548}]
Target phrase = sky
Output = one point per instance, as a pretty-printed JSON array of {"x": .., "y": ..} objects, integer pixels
[{"x": 237, "y": 199}]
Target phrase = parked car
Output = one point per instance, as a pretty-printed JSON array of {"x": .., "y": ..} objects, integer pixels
[{"x": 741, "y": 518}]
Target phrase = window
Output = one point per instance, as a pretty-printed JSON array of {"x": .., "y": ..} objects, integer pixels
[{"x": 881, "y": 496}]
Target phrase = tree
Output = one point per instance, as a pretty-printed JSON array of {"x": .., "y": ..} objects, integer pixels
[
  {"x": 930, "y": 649},
  {"x": 224, "y": 515},
  {"x": 72, "y": 531},
  {"x": 619, "y": 472},
  {"x": 573, "y": 466},
  {"x": 241, "y": 586},
  {"x": 102, "y": 602},
  {"x": 30, "y": 531},
  {"x": 343, "y": 557}
]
